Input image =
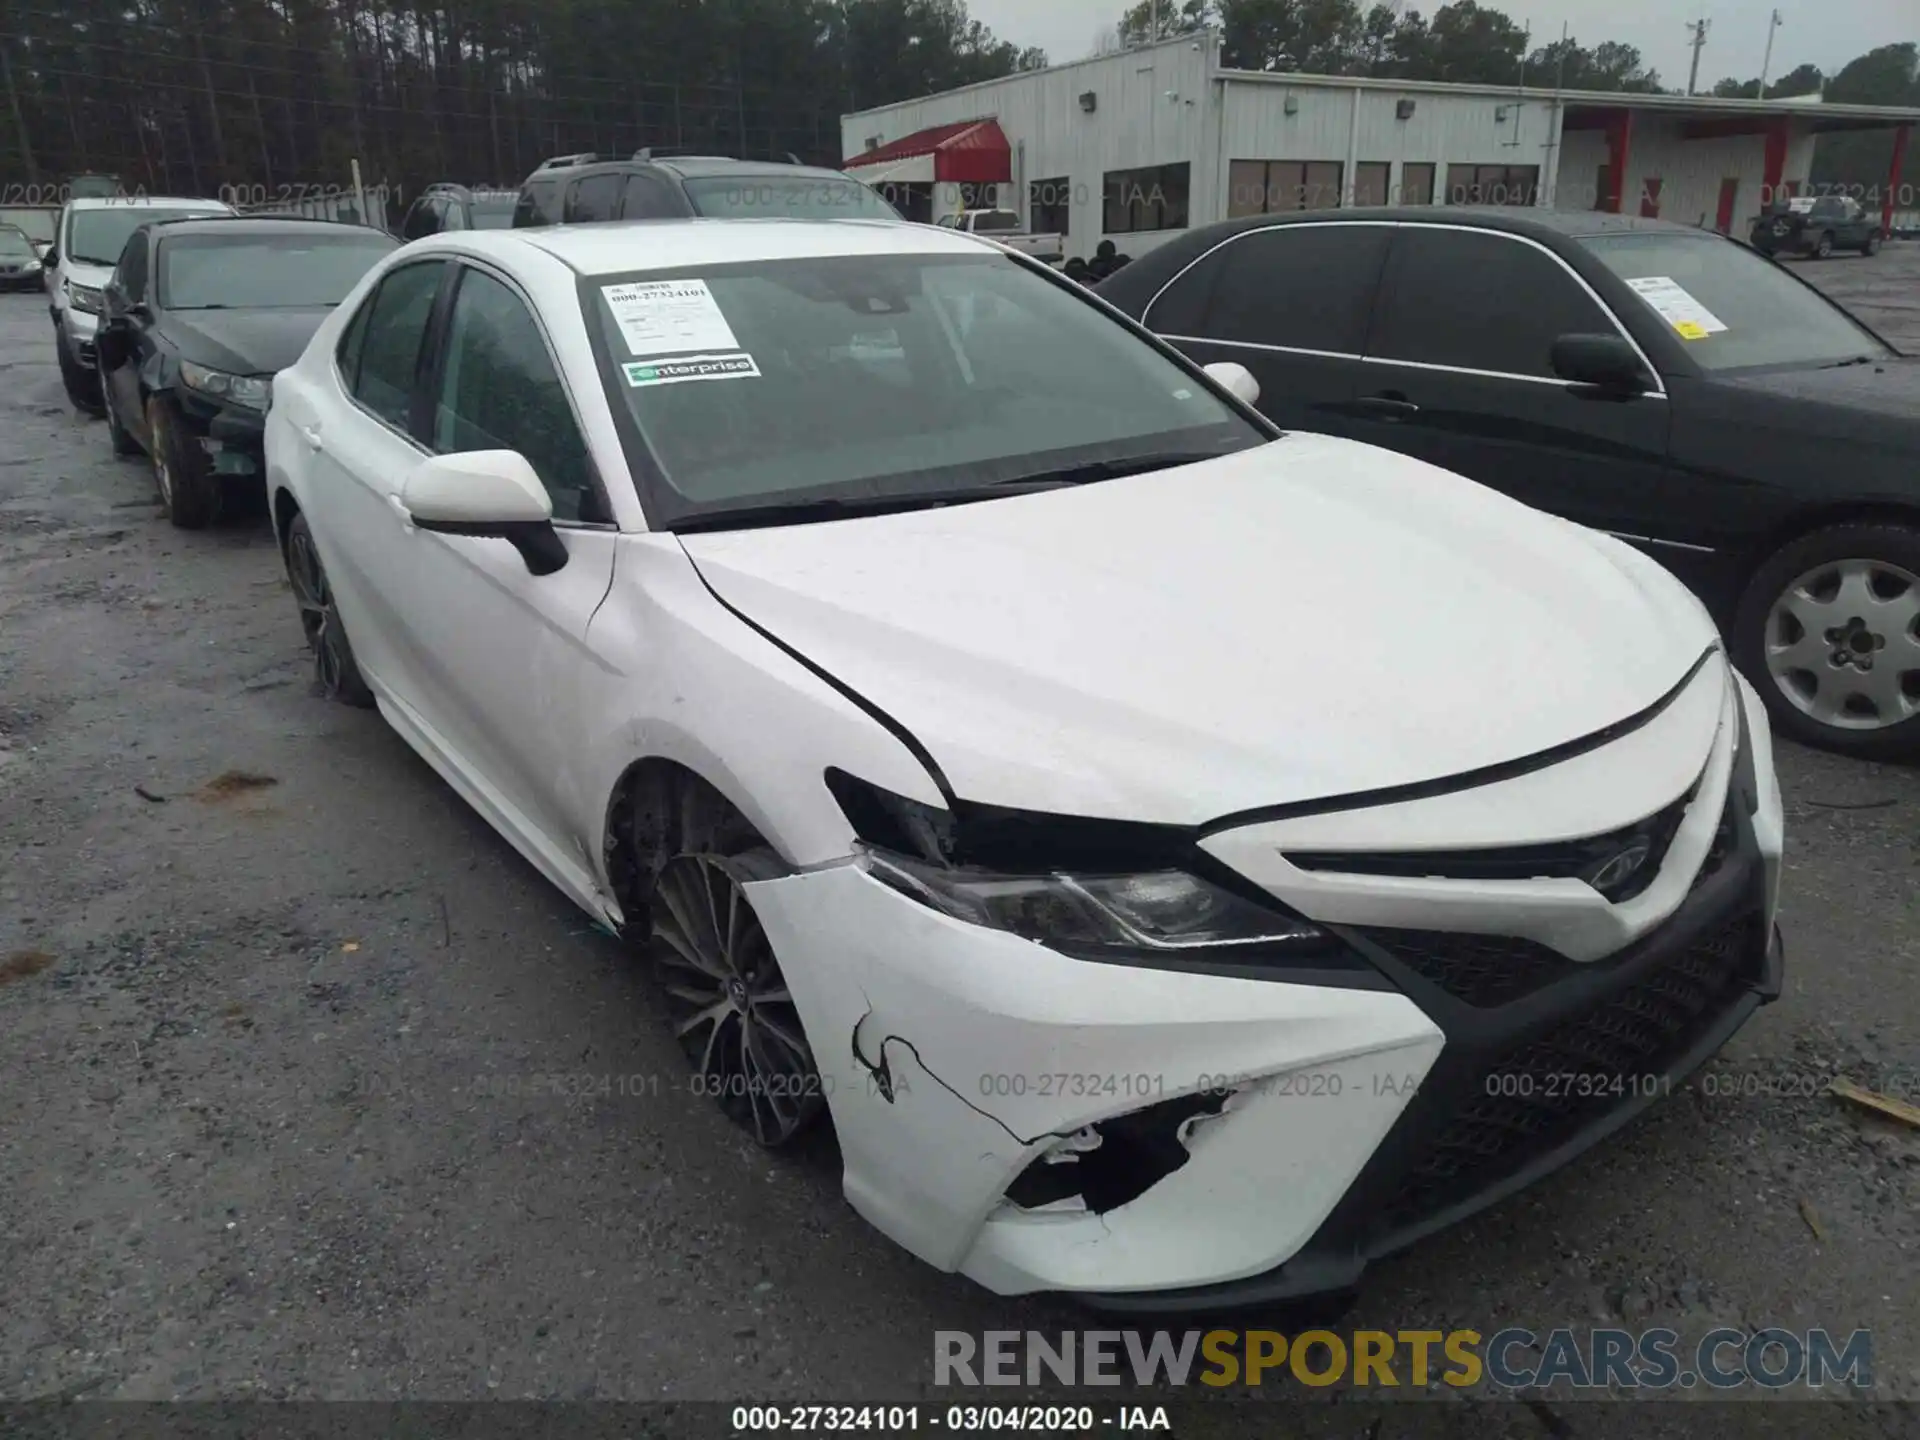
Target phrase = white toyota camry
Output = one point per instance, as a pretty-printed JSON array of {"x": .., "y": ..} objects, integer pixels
[{"x": 1185, "y": 861}]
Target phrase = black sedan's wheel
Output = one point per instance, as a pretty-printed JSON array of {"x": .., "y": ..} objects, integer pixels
[
  {"x": 1823, "y": 247},
  {"x": 118, "y": 434},
  {"x": 1829, "y": 630},
  {"x": 82, "y": 382},
  {"x": 733, "y": 1014},
  {"x": 335, "y": 674},
  {"x": 189, "y": 490},
  {"x": 1872, "y": 245}
]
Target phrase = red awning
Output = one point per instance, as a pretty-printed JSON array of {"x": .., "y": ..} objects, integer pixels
[{"x": 971, "y": 152}]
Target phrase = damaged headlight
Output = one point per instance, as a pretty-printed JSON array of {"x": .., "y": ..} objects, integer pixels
[
  {"x": 1076, "y": 885},
  {"x": 253, "y": 391},
  {"x": 1159, "y": 910}
]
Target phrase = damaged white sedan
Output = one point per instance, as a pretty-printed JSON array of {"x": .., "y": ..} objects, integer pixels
[{"x": 1184, "y": 862}]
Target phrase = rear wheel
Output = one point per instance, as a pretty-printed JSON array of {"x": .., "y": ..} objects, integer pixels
[
  {"x": 1872, "y": 245},
  {"x": 189, "y": 490},
  {"x": 121, "y": 438},
  {"x": 335, "y": 674},
  {"x": 1829, "y": 631},
  {"x": 1823, "y": 247}
]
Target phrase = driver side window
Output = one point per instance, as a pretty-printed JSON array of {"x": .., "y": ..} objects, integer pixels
[{"x": 500, "y": 391}]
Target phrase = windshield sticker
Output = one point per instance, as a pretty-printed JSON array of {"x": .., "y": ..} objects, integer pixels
[
  {"x": 666, "y": 317},
  {"x": 1672, "y": 303},
  {"x": 681, "y": 368}
]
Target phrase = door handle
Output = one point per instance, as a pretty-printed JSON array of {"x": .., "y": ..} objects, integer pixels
[
  {"x": 1387, "y": 407},
  {"x": 310, "y": 434}
]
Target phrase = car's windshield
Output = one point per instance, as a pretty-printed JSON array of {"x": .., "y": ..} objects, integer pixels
[
  {"x": 996, "y": 220},
  {"x": 788, "y": 197},
  {"x": 1734, "y": 309},
  {"x": 15, "y": 245},
  {"x": 265, "y": 272},
  {"x": 98, "y": 236},
  {"x": 884, "y": 376}
]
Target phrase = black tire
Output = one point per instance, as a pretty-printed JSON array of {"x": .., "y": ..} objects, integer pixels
[
  {"x": 1878, "y": 554},
  {"x": 121, "y": 438},
  {"x": 335, "y": 674},
  {"x": 733, "y": 1015},
  {"x": 1872, "y": 245},
  {"x": 190, "y": 492},
  {"x": 82, "y": 382},
  {"x": 1823, "y": 247}
]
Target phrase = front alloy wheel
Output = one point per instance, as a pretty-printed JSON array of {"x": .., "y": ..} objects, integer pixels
[
  {"x": 335, "y": 674},
  {"x": 1843, "y": 644},
  {"x": 732, "y": 1011}
]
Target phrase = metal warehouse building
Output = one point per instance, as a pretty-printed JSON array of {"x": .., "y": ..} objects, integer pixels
[{"x": 1137, "y": 146}]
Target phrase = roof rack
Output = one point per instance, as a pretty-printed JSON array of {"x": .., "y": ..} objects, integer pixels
[{"x": 562, "y": 162}]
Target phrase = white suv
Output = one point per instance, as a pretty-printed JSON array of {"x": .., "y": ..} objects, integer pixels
[{"x": 86, "y": 246}]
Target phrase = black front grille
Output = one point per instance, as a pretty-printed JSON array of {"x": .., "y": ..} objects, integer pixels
[
  {"x": 1724, "y": 840},
  {"x": 1548, "y": 1088},
  {"x": 1481, "y": 970}
]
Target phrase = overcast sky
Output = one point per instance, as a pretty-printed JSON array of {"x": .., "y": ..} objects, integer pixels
[{"x": 1826, "y": 32}]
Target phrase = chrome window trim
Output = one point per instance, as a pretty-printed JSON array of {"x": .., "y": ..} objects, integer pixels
[{"x": 1659, "y": 392}]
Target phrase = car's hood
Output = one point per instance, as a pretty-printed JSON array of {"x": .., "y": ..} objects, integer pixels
[
  {"x": 244, "y": 342},
  {"x": 1887, "y": 387},
  {"x": 1307, "y": 619}
]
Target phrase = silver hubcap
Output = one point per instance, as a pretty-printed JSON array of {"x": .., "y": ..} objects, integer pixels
[
  {"x": 162, "y": 477},
  {"x": 1843, "y": 644},
  {"x": 734, "y": 1016}
]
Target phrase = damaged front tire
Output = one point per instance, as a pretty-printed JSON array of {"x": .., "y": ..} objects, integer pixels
[{"x": 732, "y": 1012}]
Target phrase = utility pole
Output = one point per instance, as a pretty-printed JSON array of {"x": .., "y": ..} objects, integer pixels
[
  {"x": 1767, "y": 64},
  {"x": 1699, "y": 28}
]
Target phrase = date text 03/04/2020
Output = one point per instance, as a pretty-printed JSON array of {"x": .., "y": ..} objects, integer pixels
[{"x": 960, "y": 1419}]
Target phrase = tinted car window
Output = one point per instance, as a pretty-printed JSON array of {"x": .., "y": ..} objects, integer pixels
[
  {"x": 537, "y": 203},
  {"x": 647, "y": 197},
  {"x": 595, "y": 198},
  {"x": 1733, "y": 308},
  {"x": 1307, "y": 287},
  {"x": 96, "y": 237},
  {"x": 390, "y": 349},
  {"x": 419, "y": 221},
  {"x": 131, "y": 272},
  {"x": 798, "y": 197},
  {"x": 499, "y": 391},
  {"x": 1478, "y": 301},
  {"x": 14, "y": 244}
]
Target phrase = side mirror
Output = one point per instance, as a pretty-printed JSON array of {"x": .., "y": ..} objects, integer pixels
[
  {"x": 113, "y": 345},
  {"x": 1606, "y": 361},
  {"x": 490, "y": 493},
  {"x": 50, "y": 257},
  {"x": 1235, "y": 377}
]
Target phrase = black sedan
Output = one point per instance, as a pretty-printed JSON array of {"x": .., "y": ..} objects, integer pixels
[
  {"x": 199, "y": 316},
  {"x": 1660, "y": 382}
]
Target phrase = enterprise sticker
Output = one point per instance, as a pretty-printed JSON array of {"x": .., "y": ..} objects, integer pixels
[{"x": 682, "y": 368}]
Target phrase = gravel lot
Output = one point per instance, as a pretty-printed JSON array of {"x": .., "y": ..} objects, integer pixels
[{"x": 252, "y": 1136}]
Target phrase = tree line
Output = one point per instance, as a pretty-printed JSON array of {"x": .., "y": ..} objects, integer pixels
[{"x": 279, "y": 95}]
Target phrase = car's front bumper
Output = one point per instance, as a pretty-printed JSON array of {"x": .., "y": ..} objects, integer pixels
[
  {"x": 78, "y": 327},
  {"x": 231, "y": 436},
  {"x": 1369, "y": 1109}
]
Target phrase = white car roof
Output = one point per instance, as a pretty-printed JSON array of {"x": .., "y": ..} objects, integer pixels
[
  {"x": 108, "y": 202},
  {"x": 619, "y": 246}
]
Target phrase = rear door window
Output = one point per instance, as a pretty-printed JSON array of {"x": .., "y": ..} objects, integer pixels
[
  {"x": 595, "y": 198},
  {"x": 1299, "y": 287},
  {"x": 1478, "y": 300}
]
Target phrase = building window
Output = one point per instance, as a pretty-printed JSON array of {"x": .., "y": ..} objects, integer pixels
[
  {"x": 1151, "y": 198},
  {"x": 1416, "y": 183},
  {"x": 1264, "y": 187},
  {"x": 1370, "y": 180},
  {"x": 1493, "y": 184},
  {"x": 1049, "y": 202}
]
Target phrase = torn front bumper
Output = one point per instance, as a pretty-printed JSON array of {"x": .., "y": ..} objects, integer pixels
[{"x": 955, "y": 1056}]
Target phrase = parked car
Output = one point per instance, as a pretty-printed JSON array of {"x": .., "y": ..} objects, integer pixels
[
  {"x": 457, "y": 207},
  {"x": 661, "y": 184},
  {"x": 1006, "y": 228},
  {"x": 199, "y": 314},
  {"x": 90, "y": 237},
  {"x": 1653, "y": 380},
  {"x": 945, "y": 684},
  {"x": 1817, "y": 226},
  {"x": 19, "y": 261},
  {"x": 36, "y": 222}
]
